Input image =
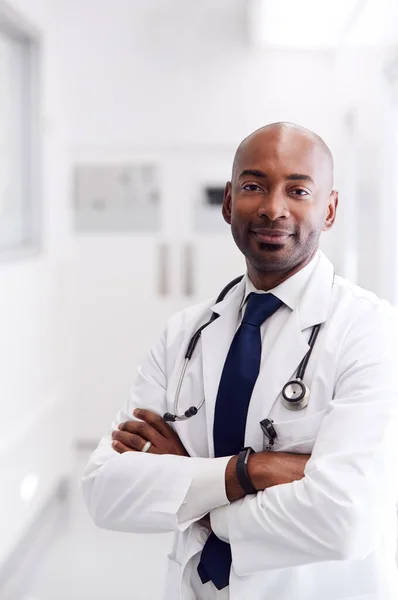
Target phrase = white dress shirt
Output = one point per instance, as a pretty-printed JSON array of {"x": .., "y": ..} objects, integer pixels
[{"x": 208, "y": 486}]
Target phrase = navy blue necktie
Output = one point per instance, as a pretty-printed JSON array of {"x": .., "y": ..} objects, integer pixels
[{"x": 239, "y": 375}]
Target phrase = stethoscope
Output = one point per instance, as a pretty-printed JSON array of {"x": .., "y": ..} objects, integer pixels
[{"x": 295, "y": 394}]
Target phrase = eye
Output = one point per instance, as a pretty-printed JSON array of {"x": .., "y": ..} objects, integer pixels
[
  {"x": 251, "y": 187},
  {"x": 300, "y": 192}
]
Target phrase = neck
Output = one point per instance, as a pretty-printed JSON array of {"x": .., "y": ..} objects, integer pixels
[{"x": 267, "y": 280}]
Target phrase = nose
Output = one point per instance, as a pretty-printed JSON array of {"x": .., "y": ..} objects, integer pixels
[{"x": 274, "y": 206}]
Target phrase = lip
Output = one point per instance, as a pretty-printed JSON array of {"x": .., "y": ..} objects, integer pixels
[{"x": 271, "y": 236}]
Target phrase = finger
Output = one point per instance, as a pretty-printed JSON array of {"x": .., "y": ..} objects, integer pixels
[
  {"x": 155, "y": 421},
  {"x": 131, "y": 440},
  {"x": 142, "y": 429},
  {"x": 121, "y": 448}
]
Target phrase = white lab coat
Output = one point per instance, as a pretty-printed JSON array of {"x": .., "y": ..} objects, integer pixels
[{"x": 331, "y": 535}]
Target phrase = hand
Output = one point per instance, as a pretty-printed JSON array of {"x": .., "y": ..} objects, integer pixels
[{"x": 132, "y": 436}]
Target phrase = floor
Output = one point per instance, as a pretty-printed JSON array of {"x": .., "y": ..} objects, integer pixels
[{"x": 82, "y": 562}]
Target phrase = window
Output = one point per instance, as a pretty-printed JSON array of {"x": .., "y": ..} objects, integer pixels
[{"x": 19, "y": 136}]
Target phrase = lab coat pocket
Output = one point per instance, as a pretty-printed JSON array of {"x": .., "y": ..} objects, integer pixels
[{"x": 297, "y": 435}]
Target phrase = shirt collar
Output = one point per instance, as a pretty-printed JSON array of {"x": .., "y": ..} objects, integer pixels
[{"x": 290, "y": 290}]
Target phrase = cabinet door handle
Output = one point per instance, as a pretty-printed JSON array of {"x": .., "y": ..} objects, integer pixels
[
  {"x": 188, "y": 261},
  {"x": 163, "y": 274}
]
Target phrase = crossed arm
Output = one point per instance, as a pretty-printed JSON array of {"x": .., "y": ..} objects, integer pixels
[
  {"x": 265, "y": 469},
  {"x": 335, "y": 511}
]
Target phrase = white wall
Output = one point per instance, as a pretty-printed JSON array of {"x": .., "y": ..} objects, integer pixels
[
  {"x": 169, "y": 72},
  {"x": 35, "y": 432},
  {"x": 366, "y": 93}
]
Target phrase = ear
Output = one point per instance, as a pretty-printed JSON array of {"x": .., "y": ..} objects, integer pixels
[
  {"x": 227, "y": 203},
  {"x": 331, "y": 210}
]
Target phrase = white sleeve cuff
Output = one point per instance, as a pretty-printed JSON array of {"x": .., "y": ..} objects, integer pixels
[
  {"x": 207, "y": 490},
  {"x": 219, "y": 522}
]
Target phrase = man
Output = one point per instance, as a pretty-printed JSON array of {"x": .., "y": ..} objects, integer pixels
[{"x": 311, "y": 513}]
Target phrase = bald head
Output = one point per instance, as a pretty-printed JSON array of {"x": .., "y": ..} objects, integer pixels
[{"x": 284, "y": 135}]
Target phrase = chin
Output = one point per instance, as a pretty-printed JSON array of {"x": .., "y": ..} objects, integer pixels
[
  {"x": 272, "y": 258},
  {"x": 272, "y": 248}
]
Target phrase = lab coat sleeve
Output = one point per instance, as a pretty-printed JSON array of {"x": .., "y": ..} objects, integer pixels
[
  {"x": 206, "y": 491},
  {"x": 143, "y": 492},
  {"x": 335, "y": 512}
]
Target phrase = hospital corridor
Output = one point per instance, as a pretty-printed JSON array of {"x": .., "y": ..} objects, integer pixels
[{"x": 121, "y": 123}]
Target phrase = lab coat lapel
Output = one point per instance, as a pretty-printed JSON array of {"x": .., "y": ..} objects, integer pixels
[
  {"x": 279, "y": 366},
  {"x": 289, "y": 350},
  {"x": 216, "y": 340}
]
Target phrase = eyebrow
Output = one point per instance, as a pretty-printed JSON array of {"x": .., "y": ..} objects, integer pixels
[
  {"x": 253, "y": 172},
  {"x": 262, "y": 175},
  {"x": 299, "y": 177}
]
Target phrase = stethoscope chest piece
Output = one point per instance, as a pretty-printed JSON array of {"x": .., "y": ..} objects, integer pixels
[{"x": 295, "y": 395}]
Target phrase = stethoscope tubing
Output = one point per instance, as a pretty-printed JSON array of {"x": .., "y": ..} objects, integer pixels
[
  {"x": 194, "y": 341},
  {"x": 311, "y": 342}
]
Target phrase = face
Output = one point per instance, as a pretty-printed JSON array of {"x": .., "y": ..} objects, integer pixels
[{"x": 279, "y": 200}]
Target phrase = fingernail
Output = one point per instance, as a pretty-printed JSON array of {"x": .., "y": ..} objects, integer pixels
[
  {"x": 136, "y": 412},
  {"x": 114, "y": 444}
]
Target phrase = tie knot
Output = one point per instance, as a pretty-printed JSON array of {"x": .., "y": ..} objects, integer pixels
[{"x": 260, "y": 307}]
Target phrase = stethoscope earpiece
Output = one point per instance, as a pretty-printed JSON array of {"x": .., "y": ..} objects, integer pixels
[
  {"x": 191, "y": 412},
  {"x": 169, "y": 417}
]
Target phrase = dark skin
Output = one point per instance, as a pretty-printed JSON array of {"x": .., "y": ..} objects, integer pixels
[{"x": 278, "y": 202}]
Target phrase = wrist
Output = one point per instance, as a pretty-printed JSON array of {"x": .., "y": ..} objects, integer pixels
[
  {"x": 232, "y": 487},
  {"x": 242, "y": 471},
  {"x": 257, "y": 468}
]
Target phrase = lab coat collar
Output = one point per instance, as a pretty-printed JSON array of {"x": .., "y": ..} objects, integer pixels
[
  {"x": 290, "y": 290},
  {"x": 314, "y": 304},
  {"x": 314, "y": 299}
]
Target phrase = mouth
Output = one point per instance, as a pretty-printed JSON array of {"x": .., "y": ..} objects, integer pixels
[{"x": 271, "y": 236}]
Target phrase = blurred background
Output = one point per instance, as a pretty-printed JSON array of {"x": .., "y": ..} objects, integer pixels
[{"x": 118, "y": 125}]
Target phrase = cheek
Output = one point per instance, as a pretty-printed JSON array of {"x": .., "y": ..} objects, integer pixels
[
  {"x": 306, "y": 217},
  {"x": 245, "y": 208},
  {"x": 240, "y": 216}
]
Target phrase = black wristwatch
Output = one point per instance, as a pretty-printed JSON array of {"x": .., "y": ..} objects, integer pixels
[{"x": 241, "y": 471}]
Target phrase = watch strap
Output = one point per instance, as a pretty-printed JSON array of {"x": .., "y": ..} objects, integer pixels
[{"x": 242, "y": 472}]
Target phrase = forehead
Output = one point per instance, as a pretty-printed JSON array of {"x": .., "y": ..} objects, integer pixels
[{"x": 282, "y": 153}]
